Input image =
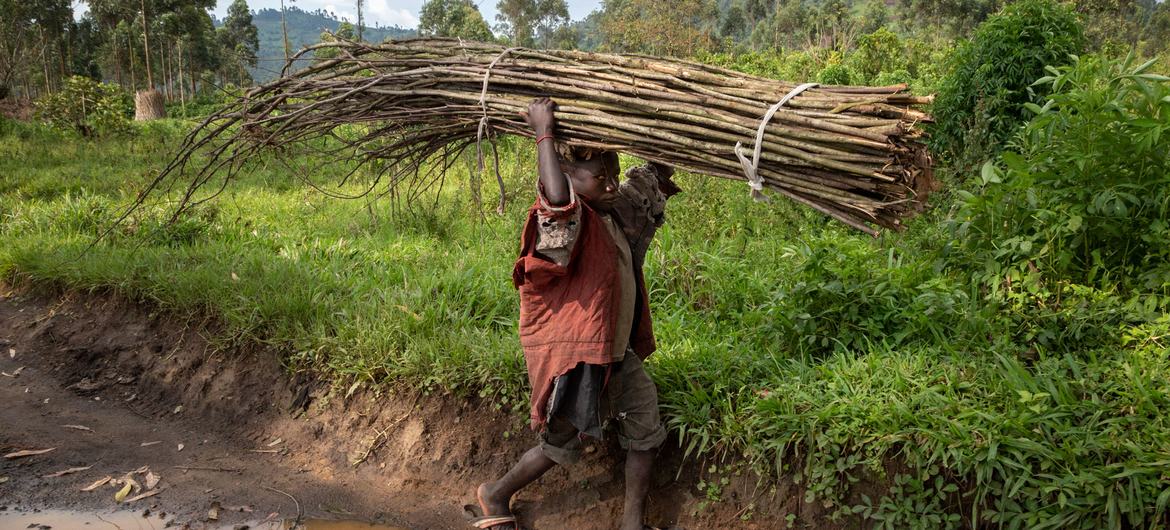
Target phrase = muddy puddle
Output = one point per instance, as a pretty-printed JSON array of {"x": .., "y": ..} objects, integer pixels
[{"x": 68, "y": 520}]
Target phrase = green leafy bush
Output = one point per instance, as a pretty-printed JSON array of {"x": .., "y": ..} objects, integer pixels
[
  {"x": 878, "y": 52},
  {"x": 980, "y": 102},
  {"x": 88, "y": 107},
  {"x": 799, "y": 66},
  {"x": 847, "y": 297},
  {"x": 838, "y": 72},
  {"x": 1084, "y": 195},
  {"x": 895, "y": 77}
]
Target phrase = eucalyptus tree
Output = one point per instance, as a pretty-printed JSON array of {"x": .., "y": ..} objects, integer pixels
[
  {"x": 531, "y": 22},
  {"x": 453, "y": 18},
  {"x": 239, "y": 42}
]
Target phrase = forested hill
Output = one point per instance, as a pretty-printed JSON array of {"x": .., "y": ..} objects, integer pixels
[{"x": 304, "y": 28}]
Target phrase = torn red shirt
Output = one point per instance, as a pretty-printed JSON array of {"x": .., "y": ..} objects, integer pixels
[{"x": 570, "y": 296}]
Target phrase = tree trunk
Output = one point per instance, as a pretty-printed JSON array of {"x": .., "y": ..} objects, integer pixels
[
  {"x": 182, "y": 86},
  {"x": 165, "y": 56},
  {"x": 146, "y": 47},
  {"x": 63, "y": 52},
  {"x": 130, "y": 54},
  {"x": 45, "y": 60},
  {"x": 284, "y": 32},
  {"x": 117, "y": 58},
  {"x": 149, "y": 105},
  {"x": 194, "y": 89}
]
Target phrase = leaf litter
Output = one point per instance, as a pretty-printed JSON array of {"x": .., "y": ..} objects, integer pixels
[
  {"x": 98, "y": 483},
  {"x": 29, "y": 452},
  {"x": 15, "y": 373},
  {"x": 69, "y": 471}
]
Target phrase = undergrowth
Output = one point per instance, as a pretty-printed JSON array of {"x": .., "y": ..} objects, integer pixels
[{"x": 982, "y": 382}]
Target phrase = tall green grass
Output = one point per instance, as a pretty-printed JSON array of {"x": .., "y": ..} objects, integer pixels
[{"x": 787, "y": 343}]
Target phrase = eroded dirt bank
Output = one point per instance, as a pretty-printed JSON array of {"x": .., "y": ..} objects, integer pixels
[{"x": 114, "y": 386}]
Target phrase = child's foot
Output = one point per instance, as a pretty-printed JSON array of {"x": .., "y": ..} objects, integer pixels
[{"x": 496, "y": 511}]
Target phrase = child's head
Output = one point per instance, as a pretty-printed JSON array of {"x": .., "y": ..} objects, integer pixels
[{"x": 594, "y": 174}]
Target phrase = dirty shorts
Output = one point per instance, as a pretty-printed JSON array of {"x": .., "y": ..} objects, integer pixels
[{"x": 630, "y": 399}]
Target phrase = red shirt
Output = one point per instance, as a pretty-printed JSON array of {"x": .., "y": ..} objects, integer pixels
[{"x": 568, "y": 313}]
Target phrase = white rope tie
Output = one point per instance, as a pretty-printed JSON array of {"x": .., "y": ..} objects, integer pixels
[
  {"x": 483, "y": 124},
  {"x": 751, "y": 167}
]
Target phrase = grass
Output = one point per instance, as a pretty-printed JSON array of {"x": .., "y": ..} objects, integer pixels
[{"x": 786, "y": 343}]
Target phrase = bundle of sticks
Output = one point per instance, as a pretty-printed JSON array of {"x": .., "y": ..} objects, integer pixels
[{"x": 853, "y": 153}]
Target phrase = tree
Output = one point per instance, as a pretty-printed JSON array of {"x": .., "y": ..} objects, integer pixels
[
  {"x": 344, "y": 31},
  {"x": 239, "y": 41},
  {"x": 453, "y": 18},
  {"x": 734, "y": 24},
  {"x": 789, "y": 25},
  {"x": 1157, "y": 30},
  {"x": 524, "y": 21},
  {"x": 1116, "y": 21},
  {"x": 983, "y": 100},
  {"x": 755, "y": 10},
  {"x": 146, "y": 47},
  {"x": 681, "y": 28},
  {"x": 958, "y": 17},
  {"x": 284, "y": 32},
  {"x": 361, "y": 22},
  {"x": 15, "y": 51}
]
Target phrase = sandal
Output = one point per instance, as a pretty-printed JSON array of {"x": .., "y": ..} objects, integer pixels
[
  {"x": 485, "y": 521},
  {"x": 489, "y": 521}
]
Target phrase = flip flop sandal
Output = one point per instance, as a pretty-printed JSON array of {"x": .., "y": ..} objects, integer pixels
[{"x": 489, "y": 521}]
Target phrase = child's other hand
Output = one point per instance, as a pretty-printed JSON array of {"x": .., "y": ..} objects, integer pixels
[
  {"x": 541, "y": 116},
  {"x": 663, "y": 170}
]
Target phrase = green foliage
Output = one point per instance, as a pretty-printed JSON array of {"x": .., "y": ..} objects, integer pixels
[
  {"x": 954, "y": 17},
  {"x": 532, "y": 23},
  {"x": 980, "y": 103},
  {"x": 794, "y": 66},
  {"x": 682, "y": 28},
  {"x": 1004, "y": 369},
  {"x": 88, "y": 107},
  {"x": 306, "y": 28},
  {"x": 344, "y": 31},
  {"x": 1082, "y": 199},
  {"x": 837, "y": 72},
  {"x": 846, "y": 297},
  {"x": 878, "y": 52},
  {"x": 895, "y": 77},
  {"x": 453, "y": 18},
  {"x": 240, "y": 41},
  {"x": 882, "y": 58}
]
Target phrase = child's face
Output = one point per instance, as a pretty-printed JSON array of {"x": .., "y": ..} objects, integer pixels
[{"x": 594, "y": 180}]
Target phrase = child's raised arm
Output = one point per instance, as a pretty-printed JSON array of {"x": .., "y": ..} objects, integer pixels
[{"x": 541, "y": 116}]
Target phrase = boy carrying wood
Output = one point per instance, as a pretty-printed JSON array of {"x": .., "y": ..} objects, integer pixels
[{"x": 584, "y": 316}]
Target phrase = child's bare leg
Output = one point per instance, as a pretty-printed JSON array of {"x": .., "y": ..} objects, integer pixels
[
  {"x": 638, "y": 467},
  {"x": 497, "y": 495}
]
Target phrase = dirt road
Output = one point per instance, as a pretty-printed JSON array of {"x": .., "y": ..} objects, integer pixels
[
  {"x": 114, "y": 389},
  {"x": 69, "y": 384}
]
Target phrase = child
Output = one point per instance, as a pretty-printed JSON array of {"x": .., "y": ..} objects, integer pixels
[{"x": 584, "y": 317}]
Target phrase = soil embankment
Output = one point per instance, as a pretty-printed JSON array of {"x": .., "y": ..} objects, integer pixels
[{"x": 112, "y": 386}]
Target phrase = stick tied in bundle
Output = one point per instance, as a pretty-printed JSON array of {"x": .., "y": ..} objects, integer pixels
[{"x": 408, "y": 107}]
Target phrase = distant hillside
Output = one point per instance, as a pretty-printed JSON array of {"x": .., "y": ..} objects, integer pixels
[{"x": 304, "y": 28}]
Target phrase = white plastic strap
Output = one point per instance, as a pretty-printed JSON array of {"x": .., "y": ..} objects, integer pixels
[{"x": 751, "y": 167}]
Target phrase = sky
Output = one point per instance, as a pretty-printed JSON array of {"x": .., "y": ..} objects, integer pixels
[{"x": 402, "y": 13}]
